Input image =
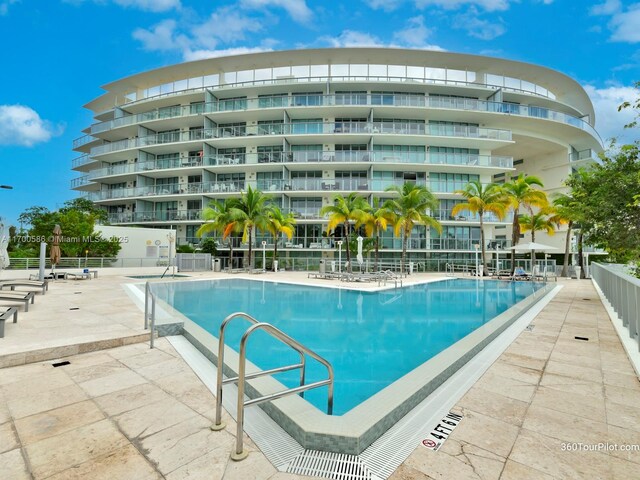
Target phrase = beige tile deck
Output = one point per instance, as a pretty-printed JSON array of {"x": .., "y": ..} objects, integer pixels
[{"x": 130, "y": 412}]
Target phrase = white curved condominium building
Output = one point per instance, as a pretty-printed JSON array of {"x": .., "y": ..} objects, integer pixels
[{"x": 304, "y": 125}]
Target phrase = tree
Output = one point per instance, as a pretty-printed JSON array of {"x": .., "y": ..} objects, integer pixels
[
  {"x": 535, "y": 222},
  {"x": 521, "y": 192},
  {"x": 343, "y": 211},
  {"x": 250, "y": 211},
  {"x": 410, "y": 209},
  {"x": 376, "y": 220},
  {"x": 605, "y": 194},
  {"x": 278, "y": 223},
  {"x": 566, "y": 212},
  {"x": 77, "y": 220},
  {"x": 481, "y": 199},
  {"x": 218, "y": 219}
]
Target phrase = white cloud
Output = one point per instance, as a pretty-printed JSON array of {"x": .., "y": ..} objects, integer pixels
[
  {"x": 21, "y": 125},
  {"x": 4, "y": 6},
  {"x": 414, "y": 34},
  {"x": 150, "y": 5},
  {"x": 626, "y": 25},
  {"x": 609, "y": 122},
  {"x": 623, "y": 23},
  {"x": 145, "y": 5},
  {"x": 478, "y": 27},
  {"x": 297, "y": 9},
  {"x": 226, "y": 25},
  {"x": 607, "y": 8},
  {"x": 488, "y": 5},
  {"x": 352, "y": 38},
  {"x": 386, "y": 5},
  {"x": 161, "y": 37},
  {"x": 190, "y": 55}
]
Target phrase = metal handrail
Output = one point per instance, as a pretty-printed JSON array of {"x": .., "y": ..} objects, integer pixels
[
  {"x": 239, "y": 453},
  {"x": 148, "y": 294}
]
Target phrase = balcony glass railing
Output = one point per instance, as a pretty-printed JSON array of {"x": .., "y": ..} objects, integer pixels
[
  {"x": 468, "y": 244},
  {"x": 583, "y": 155},
  {"x": 155, "y": 216},
  {"x": 81, "y": 160},
  {"x": 306, "y": 157},
  {"x": 447, "y": 215},
  {"x": 80, "y": 181},
  {"x": 365, "y": 128},
  {"x": 171, "y": 189},
  {"x": 314, "y": 100}
]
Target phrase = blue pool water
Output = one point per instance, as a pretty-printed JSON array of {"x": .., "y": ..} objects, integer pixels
[{"x": 371, "y": 338}]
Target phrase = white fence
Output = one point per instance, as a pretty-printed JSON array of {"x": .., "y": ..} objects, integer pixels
[{"x": 623, "y": 292}]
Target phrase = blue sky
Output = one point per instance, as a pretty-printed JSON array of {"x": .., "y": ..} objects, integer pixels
[{"x": 57, "y": 53}]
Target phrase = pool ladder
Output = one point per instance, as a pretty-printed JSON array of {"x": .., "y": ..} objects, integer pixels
[{"x": 240, "y": 453}]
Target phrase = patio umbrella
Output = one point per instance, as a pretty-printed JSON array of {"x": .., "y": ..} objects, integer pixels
[
  {"x": 4, "y": 241},
  {"x": 54, "y": 252},
  {"x": 533, "y": 247},
  {"x": 359, "y": 256}
]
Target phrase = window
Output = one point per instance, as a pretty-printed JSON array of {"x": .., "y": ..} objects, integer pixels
[
  {"x": 351, "y": 98},
  {"x": 270, "y": 127},
  {"x": 306, "y": 153},
  {"x": 235, "y": 103},
  {"x": 306, "y": 126},
  {"x": 306, "y": 99},
  {"x": 270, "y": 154},
  {"x": 168, "y": 136},
  {"x": 233, "y": 129},
  {"x": 274, "y": 100},
  {"x": 269, "y": 180},
  {"x": 450, "y": 182}
]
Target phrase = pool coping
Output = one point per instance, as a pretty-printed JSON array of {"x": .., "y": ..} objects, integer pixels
[{"x": 354, "y": 431}]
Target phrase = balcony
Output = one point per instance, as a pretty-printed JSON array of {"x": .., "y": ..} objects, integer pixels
[
  {"x": 584, "y": 156},
  {"x": 155, "y": 216},
  {"x": 348, "y": 99},
  {"x": 80, "y": 181},
  {"x": 171, "y": 189}
]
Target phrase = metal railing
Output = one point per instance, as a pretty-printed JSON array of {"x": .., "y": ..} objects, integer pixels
[
  {"x": 623, "y": 292},
  {"x": 149, "y": 313},
  {"x": 88, "y": 262},
  {"x": 240, "y": 453}
]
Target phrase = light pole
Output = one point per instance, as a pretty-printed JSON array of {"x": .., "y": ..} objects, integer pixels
[
  {"x": 264, "y": 256},
  {"x": 497, "y": 257},
  {"x": 339, "y": 242},
  {"x": 477, "y": 247}
]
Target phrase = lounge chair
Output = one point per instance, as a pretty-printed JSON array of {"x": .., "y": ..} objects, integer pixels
[
  {"x": 5, "y": 314},
  {"x": 12, "y": 284},
  {"x": 18, "y": 297},
  {"x": 520, "y": 274}
]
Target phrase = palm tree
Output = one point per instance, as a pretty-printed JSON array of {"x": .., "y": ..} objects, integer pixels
[
  {"x": 542, "y": 220},
  {"x": 218, "y": 219},
  {"x": 375, "y": 221},
  {"x": 250, "y": 211},
  {"x": 410, "y": 209},
  {"x": 566, "y": 210},
  {"x": 521, "y": 193},
  {"x": 277, "y": 224},
  {"x": 342, "y": 212},
  {"x": 481, "y": 199}
]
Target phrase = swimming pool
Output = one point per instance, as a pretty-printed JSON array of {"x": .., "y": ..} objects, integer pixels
[
  {"x": 398, "y": 345},
  {"x": 371, "y": 338}
]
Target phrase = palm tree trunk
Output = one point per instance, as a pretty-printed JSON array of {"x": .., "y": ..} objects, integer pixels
[
  {"x": 250, "y": 265},
  {"x": 580, "y": 257},
  {"x": 567, "y": 242},
  {"x": 515, "y": 237},
  {"x": 405, "y": 241},
  {"x": 482, "y": 242},
  {"x": 377, "y": 247},
  {"x": 275, "y": 254},
  {"x": 230, "y": 254},
  {"x": 346, "y": 241}
]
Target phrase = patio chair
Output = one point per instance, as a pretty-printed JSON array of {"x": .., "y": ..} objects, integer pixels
[
  {"x": 12, "y": 284},
  {"x": 5, "y": 314},
  {"x": 18, "y": 297},
  {"x": 520, "y": 274}
]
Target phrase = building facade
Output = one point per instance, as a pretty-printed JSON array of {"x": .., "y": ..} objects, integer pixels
[{"x": 305, "y": 125}]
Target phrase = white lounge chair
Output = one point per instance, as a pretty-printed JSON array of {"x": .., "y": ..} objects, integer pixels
[
  {"x": 5, "y": 314},
  {"x": 12, "y": 284},
  {"x": 18, "y": 297}
]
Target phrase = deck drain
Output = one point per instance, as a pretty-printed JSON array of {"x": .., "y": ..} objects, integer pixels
[
  {"x": 74, "y": 308},
  {"x": 587, "y": 299},
  {"x": 529, "y": 327},
  {"x": 337, "y": 466},
  {"x": 61, "y": 364},
  {"x": 76, "y": 293},
  {"x": 582, "y": 338}
]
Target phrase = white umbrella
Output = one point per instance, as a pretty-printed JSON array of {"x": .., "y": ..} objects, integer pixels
[
  {"x": 359, "y": 256},
  {"x": 533, "y": 247},
  {"x": 525, "y": 247},
  {"x": 4, "y": 241}
]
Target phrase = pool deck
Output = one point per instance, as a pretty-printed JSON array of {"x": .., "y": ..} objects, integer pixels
[{"x": 123, "y": 411}]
